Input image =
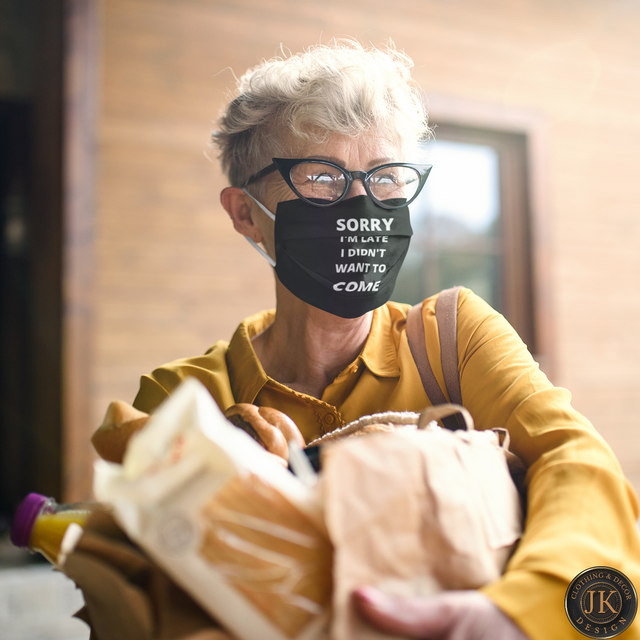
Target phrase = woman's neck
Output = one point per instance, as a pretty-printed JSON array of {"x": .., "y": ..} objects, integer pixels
[{"x": 306, "y": 348}]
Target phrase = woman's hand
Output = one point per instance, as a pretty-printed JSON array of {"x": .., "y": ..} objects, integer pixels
[{"x": 449, "y": 615}]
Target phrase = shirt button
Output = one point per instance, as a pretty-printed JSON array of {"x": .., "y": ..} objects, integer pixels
[{"x": 329, "y": 419}]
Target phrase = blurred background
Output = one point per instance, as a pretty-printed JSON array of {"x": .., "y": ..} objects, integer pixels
[{"x": 116, "y": 255}]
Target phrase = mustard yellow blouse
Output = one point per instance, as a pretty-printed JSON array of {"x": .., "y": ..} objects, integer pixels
[{"x": 581, "y": 510}]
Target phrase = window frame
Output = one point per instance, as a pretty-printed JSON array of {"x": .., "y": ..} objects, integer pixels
[{"x": 521, "y": 137}]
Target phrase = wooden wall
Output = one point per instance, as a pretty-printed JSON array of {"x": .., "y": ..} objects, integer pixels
[{"x": 172, "y": 277}]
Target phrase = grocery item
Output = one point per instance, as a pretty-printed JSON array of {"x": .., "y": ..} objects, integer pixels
[
  {"x": 236, "y": 530},
  {"x": 120, "y": 422},
  {"x": 415, "y": 509},
  {"x": 40, "y": 524},
  {"x": 414, "y": 512},
  {"x": 266, "y": 425}
]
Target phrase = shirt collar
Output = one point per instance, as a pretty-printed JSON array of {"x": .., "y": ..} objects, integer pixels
[
  {"x": 380, "y": 351},
  {"x": 379, "y": 354},
  {"x": 246, "y": 374}
]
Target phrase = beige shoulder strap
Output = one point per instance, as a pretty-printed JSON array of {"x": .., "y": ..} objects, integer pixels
[
  {"x": 415, "y": 336},
  {"x": 446, "y": 317}
]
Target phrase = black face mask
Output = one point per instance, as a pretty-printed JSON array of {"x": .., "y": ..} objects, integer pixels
[{"x": 342, "y": 259}]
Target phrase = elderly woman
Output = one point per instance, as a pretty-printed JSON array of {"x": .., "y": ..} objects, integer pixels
[{"x": 320, "y": 150}]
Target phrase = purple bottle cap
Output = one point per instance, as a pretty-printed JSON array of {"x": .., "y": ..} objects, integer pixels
[{"x": 26, "y": 514}]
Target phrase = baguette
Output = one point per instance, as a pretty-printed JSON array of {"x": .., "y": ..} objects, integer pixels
[
  {"x": 120, "y": 422},
  {"x": 268, "y": 426}
]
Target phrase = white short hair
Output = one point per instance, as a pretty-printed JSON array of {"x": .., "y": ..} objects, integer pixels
[{"x": 341, "y": 88}]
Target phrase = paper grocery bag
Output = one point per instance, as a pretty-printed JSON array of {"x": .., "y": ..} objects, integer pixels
[
  {"x": 224, "y": 519},
  {"x": 416, "y": 512}
]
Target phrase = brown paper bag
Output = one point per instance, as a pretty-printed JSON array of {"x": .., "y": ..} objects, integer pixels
[{"x": 416, "y": 512}]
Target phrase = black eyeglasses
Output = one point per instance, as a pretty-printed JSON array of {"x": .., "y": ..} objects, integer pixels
[{"x": 323, "y": 183}]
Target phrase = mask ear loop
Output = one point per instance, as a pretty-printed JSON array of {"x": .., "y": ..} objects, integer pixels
[{"x": 252, "y": 242}]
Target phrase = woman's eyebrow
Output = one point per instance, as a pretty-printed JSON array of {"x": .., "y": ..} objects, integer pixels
[
  {"x": 376, "y": 162},
  {"x": 327, "y": 158}
]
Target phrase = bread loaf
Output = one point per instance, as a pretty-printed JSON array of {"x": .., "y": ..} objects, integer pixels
[
  {"x": 270, "y": 427},
  {"x": 120, "y": 422}
]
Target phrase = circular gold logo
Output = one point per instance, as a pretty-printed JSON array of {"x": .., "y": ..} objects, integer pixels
[{"x": 601, "y": 602}]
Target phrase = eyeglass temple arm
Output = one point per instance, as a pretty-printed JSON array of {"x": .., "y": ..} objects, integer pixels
[{"x": 261, "y": 174}]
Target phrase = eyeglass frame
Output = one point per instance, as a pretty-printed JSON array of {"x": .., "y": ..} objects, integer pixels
[{"x": 285, "y": 165}]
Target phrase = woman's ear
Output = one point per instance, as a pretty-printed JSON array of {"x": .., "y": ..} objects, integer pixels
[{"x": 239, "y": 206}]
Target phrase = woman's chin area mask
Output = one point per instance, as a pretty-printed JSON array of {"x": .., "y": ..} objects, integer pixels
[{"x": 343, "y": 259}]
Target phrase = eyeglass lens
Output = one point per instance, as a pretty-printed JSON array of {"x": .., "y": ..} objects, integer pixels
[{"x": 326, "y": 182}]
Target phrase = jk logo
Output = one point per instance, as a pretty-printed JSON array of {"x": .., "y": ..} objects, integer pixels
[{"x": 601, "y": 602}]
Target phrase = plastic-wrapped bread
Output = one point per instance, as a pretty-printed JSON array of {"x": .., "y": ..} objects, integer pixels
[{"x": 236, "y": 530}]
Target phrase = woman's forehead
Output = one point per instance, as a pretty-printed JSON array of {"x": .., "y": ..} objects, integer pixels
[{"x": 354, "y": 154}]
